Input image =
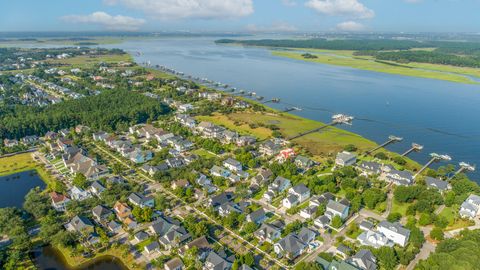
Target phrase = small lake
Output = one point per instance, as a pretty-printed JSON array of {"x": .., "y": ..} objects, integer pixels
[
  {"x": 49, "y": 258},
  {"x": 14, "y": 187}
]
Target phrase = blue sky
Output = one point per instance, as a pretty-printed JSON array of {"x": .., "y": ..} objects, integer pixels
[{"x": 241, "y": 15}]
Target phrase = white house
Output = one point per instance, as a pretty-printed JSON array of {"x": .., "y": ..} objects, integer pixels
[
  {"x": 335, "y": 208},
  {"x": 470, "y": 207},
  {"x": 345, "y": 159},
  {"x": 394, "y": 232},
  {"x": 290, "y": 201},
  {"x": 232, "y": 164},
  {"x": 301, "y": 191}
]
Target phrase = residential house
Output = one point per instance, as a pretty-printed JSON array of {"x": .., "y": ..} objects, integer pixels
[
  {"x": 257, "y": 216},
  {"x": 278, "y": 185},
  {"x": 263, "y": 177},
  {"x": 318, "y": 200},
  {"x": 394, "y": 232},
  {"x": 290, "y": 201},
  {"x": 97, "y": 188},
  {"x": 285, "y": 154},
  {"x": 335, "y": 208},
  {"x": 470, "y": 207},
  {"x": 218, "y": 261},
  {"x": 183, "y": 108},
  {"x": 79, "y": 194},
  {"x": 181, "y": 183},
  {"x": 141, "y": 200},
  {"x": 270, "y": 148},
  {"x": 220, "y": 171},
  {"x": 217, "y": 200},
  {"x": 304, "y": 162},
  {"x": 80, "y": 224},
  {"x": 290, "y": 246},
  {"x": 335, "y": 264},
  {"x": 141, "y": 236},
  {"x": 122, "y": 210},
  {"x": 363, "y": 260},
  {"x": 229, "y": 136},
  {"x": 322, "y": 222},
  {"x": 169, "y": 231},
  {"x": 59, "y": 201},
  {"x": 345, "y": 159},
  {"x": 201, "y": 244},
  {"x": 309, "y": 212},
  {"x": 152, "y": 248},
  {"x": 114, "y": 226},
  {"x": 232, "y": 164},
  {"x": 246, "y": 140},
  {"x": 174, "y": 264},
  {"x": 436, "y": 183},
  {"x": 301, "y": 191},
  {"x": 374, "y": 239},
  {"x": 101, "y": 214},
  {"x": 268, "y": 232},
  {"x": 403, "y": 178}
]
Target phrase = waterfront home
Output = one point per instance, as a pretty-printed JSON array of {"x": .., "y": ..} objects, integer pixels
[
  {"x": 335, "y": 208},
  {"x": 345, "y": 159},
  {"x": 364, "y": 260},
  {"x": 290, "y": 246},
  {"x": 141, "y": 200},
  {"x": 217, "y": 261},
  {"x": 470, "y": 207},
  {"x": 97, "y": 188},
  {"x": 101, "y": 214},
  {"x": 232, "y": 164},
  {"x": 80, "y": 224},
  {"x": 257, "y": 216},
  {"x": 79, "y": 194},
  {"x": 370, "y": 167},
  {"x": 174, "y": 264},
  {"x": 394, "y": 232},
  {"x": 268, "y": 232},
  {"x": 122, "y": 210},
  {"x": 59, "y": 201},
  {"x": 436, "y": 183},
  {"x": 402, "y": 178}
]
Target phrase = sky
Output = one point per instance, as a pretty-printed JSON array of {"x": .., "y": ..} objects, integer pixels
[{"x": 241, "y": 15}]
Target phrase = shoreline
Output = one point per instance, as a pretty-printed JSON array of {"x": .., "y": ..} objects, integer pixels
[{"x": 22, "y": 164}]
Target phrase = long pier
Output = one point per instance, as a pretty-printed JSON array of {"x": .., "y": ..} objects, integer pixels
[
  {"x": 273, "y": 100},
  {"x": 435, "y": 158},
  {"x": 391, "y": 139},
  {"x": 336, "y": 119},
  {"x": 463, "y": 167},
  {"x": 415, "y": 147},
  {"x": 291, "y": 109}
]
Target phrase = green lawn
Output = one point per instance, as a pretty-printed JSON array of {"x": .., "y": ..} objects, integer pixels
[
  {"x": 399, "y": 207},
  {"x": 454, "y": 221},
  {"x": 203, "y": 153},
  {"x": 346, "y": 58},
  {"x": 24, "y": 162}
]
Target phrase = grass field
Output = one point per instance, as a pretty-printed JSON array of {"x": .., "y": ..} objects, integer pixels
[
  {"x": 346, "y": 58},
  {"x": 399, "y": 208},
  {"x": 454, "y": 222},
  {"x": 87, "y": 61},
  {"x": 23, "y": 162}
]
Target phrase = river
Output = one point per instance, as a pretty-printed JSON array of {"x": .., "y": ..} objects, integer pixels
[{"x": 441, "y": 115}]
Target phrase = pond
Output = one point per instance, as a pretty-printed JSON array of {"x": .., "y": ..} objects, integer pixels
[
  {"x": 48, "y": 258},
  {"x": 14, "y": 187}
]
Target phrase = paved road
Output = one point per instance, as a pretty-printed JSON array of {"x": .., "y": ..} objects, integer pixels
[{"x": 266, "y": 255}]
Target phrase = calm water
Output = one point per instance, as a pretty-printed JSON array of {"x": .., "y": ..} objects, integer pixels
[
  {"x": 441, "y": 115},
  {"x": 14, "y": 187},
  {"x": 49, "y": 259}
]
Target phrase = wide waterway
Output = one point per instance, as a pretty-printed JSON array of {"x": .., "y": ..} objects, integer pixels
[{"x": 441, "y": 115}]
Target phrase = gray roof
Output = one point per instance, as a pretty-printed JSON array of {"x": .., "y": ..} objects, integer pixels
[
  {"x": 337, "y": 206},
  {"x": 364, "y": 259},
  {"x": 396, "y": 227},
  {"x": 232, "y": 162},
  {"x": 257, "y": 215},
  {"x": 80, "y": 223},
  {"x": 98, "y": 186},
  {"x": 346, "y": 156},
  {"x": 300, "y": 189},
  {"x": 152, "y": 246},
  {"x": 291, "y": 243},
  {"x": 219, "y": 262},
  {"x": 101, "y": 211},
  {"x": 221, "y": 198},
  {"x": 306, "y": 235},
  {"x": 141, "y": 235},
  {"x": 436, "y": 183}
]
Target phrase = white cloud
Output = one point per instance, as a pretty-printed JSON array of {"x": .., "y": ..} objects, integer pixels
[
  {"x": 350, "y": 26},
  {"x": 349, "y": 8},
  {"x": 197, "y": 9},
  {"x": 275, "y": 27},
  {"x": 289, "y": 3},
  {"x": 106, "y": 20}
]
